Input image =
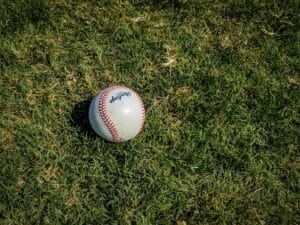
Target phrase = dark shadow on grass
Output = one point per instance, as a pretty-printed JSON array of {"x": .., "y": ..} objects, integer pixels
[
  {"x": 80, "y": 119},
  {"x": 18, "y": 14},
  {"x": 161, "y": 4}
]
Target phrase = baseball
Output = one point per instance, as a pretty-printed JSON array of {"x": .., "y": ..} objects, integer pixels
[{"x": 117, "y": 114}]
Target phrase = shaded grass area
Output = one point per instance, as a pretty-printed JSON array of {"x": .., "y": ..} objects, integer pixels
[{"x": 220, "y": 82}]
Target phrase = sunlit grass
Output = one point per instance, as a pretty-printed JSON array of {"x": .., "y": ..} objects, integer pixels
[{"x": 220, "y": 82}]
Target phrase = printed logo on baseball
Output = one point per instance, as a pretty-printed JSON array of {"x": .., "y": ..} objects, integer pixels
[{"x": 117, "y": 114}]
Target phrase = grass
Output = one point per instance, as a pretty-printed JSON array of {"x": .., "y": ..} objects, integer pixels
[{"x": 220, "y": 82}]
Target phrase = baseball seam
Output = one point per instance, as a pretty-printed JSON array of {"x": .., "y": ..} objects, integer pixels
[
  {"x": 105, "y": 117},
  {"x": 143, "y": 112}
]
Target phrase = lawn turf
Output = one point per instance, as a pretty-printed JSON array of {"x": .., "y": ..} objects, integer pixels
[{"x": 220, "y": 82}]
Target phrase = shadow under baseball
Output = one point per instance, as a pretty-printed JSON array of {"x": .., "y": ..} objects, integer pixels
[{"x": 80, "y": 117}]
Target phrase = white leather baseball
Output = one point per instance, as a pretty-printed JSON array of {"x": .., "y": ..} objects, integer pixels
[{"x": 117, "y": 114}]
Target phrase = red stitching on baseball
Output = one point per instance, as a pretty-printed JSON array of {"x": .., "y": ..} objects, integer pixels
[
  {"x": 143, "y": 112},
  {"x": 105, "y": 117}
]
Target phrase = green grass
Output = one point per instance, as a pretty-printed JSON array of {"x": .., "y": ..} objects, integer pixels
[{"x": 220, "y": 82}]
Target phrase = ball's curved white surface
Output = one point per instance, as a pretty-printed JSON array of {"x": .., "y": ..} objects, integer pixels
[
  {"x": 96, "y": 121},
  {"x": 124, "y": 112}
]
